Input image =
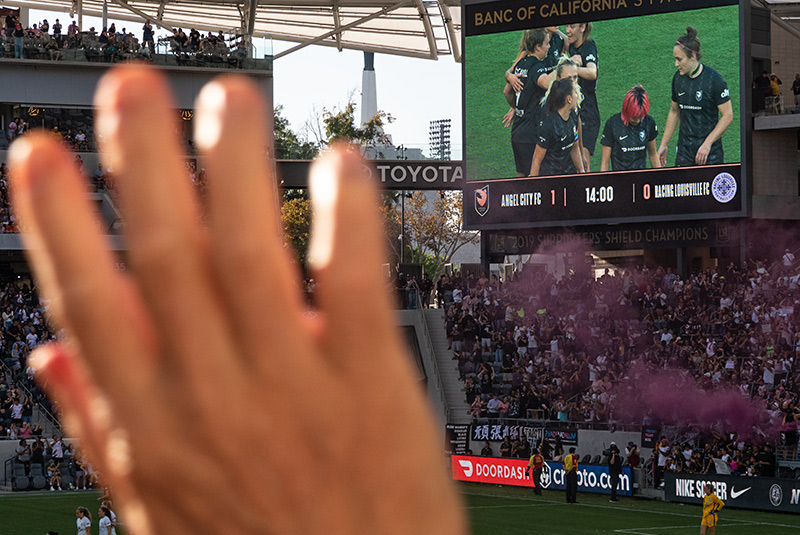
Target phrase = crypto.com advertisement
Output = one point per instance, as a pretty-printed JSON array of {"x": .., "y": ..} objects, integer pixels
[{"x": 511, "y": 472}]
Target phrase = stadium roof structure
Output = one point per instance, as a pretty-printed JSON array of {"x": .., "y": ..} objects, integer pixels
[
  {"x": 784, "y": 10},
  {"x": 416, "y": 28}
]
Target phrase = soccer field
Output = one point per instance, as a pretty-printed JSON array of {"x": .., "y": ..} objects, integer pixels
[
  {"x": 36, "y": 513},
  {"x": 630, "y": 51},
  {"x": 503, "y": 510},
  {"x": 492, "y": 510}
]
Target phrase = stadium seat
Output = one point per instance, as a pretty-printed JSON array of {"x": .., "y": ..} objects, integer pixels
[
  {"x": 67, "y": 477},
  {"x": 586, "y": 458},
  {"x": 38, "y": 479},
  {"x": 19, "y": 480},
  {"x": 595, "y": 460}
]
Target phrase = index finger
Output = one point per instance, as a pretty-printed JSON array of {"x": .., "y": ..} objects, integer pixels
[{"x": 74, "y": 267}]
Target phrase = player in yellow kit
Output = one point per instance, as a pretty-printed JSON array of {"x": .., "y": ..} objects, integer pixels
[{"x": 711, "y": 504}]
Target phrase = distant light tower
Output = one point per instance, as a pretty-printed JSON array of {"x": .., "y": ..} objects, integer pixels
[{"x": 440, "y": 139}]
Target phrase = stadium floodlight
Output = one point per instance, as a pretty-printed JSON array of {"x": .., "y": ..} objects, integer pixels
[{"x": 440, "y": 139}]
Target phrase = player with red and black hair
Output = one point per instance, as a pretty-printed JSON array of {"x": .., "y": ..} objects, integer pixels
[{"x": 630, "y": 136}]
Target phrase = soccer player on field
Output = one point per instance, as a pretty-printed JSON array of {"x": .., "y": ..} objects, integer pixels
[
  {"x": 583, "y": 51},
  {"x": 711, "y": 504},
  {"x": 525, "y": 86},
  {"x": 629, "y": 137},
  {"x": 701, "y": 103}
]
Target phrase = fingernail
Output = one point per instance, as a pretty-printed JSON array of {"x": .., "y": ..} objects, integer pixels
[{"x": 208, "y": 121}]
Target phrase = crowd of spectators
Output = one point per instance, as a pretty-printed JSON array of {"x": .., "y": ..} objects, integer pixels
[
  {"x": 568, "y": 349},
  {"x": 22, "y": 328},
  {"x": 64, "y": 465},
  {"x": 739, "y": 457},
  {"x": 43, "y": 41}
]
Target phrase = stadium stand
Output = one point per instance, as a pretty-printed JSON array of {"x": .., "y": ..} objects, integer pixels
[
  {"x": 112, "y": 46},
  {"x": 577, "y": 351}
]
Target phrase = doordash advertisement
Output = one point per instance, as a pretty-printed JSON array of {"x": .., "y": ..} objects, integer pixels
[{"x": 511, "y": 472}]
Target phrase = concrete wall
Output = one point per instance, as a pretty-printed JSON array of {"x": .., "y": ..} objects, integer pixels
[
  {"x": 72, "y": 84},
  {"x": 775, "y": 156}
]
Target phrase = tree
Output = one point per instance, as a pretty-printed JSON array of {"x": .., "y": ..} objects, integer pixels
[
  {"x": 288, "y": 145},
  {"x": 433, "y": 229},
  {"x": 340, "y": 125},
  {"x": 296, "y": 221}
]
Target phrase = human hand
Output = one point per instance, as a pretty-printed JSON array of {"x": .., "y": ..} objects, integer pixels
[
  {"x": 206, "y": 329},
  {"x": 508, "y": 118},
  {"x": 514, "y": 80},
  {"x": 702, "y": 154},
  {"x": 578, "y": 60},
  {"x": 662, "y": 155}
]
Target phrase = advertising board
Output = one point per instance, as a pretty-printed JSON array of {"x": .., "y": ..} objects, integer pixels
[
  {"x": 761, "y": 493},
  {"x": 507, "y": 471}
]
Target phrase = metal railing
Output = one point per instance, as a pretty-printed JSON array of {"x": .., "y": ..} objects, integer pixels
[{"x": 426, "y": 335}]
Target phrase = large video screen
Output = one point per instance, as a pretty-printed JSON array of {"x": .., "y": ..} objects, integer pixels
[{"x": 602, "y": 111}]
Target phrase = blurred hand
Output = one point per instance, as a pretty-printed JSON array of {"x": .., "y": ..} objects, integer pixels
[
  {"x": 662, "y": 155},
  {"x": 196, "y": 382},
  {"x": 508, "y": 118},
  {"x": 702, "y": 154},
  {"x": 515, "y": 80}
]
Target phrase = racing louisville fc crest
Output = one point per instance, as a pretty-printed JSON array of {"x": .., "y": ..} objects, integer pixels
[{"x": 482, "y": 200}]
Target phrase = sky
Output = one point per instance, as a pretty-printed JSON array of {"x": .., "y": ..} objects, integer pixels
[{"x": 318, "y": 77}]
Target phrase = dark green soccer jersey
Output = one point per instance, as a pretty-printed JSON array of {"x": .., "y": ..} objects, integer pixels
[
  {"x": 588, "y": 53},
  {"x": 529, "y": 69},
  {"x": 558, "y": 136},
  {"x": 628, "y": 143},
  {"x": 556, "y": 50},
  {"x": 699, "y": 100}
]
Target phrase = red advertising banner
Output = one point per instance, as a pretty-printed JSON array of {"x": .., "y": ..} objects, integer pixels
[{"x": 496, "y": 470}]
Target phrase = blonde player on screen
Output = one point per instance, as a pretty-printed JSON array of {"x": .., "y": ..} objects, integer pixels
[{"x": 711, "y": 505}]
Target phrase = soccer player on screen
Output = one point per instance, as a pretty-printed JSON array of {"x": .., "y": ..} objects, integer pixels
[
  {"x": 630, "y": 136},
  {"x": 558, "y": 46},
  {"x": 535, "y": 77},
  {"x": 701, "y": 103},
  {"x": 711, "y": 504},
  {"x": 557, "y": 149},
  {"x": 583, "y": 51}
]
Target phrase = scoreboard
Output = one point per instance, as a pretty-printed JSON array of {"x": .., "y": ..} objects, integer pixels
[
  {"x": 664, "y": 194},
  {"x": 634, "y": 41}
]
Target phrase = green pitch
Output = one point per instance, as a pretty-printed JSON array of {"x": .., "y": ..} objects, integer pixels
[
  {"x": 502, "y": 510},
  {"x": 630, "y": 51},
  {"x": 37, "y": 513},
  {"x": 492, "y": 511}
]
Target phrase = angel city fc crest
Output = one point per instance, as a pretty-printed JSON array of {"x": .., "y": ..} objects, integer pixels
[{"x": 482, "y": 200}]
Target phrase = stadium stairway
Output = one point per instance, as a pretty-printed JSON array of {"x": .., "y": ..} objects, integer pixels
[{"x": 448, "y": 370}]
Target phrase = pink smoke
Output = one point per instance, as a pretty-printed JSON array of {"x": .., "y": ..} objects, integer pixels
[{"x": 673, "y": 397}]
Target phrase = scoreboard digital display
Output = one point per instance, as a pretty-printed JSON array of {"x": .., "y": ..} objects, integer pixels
[{"x": 692, "y": 80}]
